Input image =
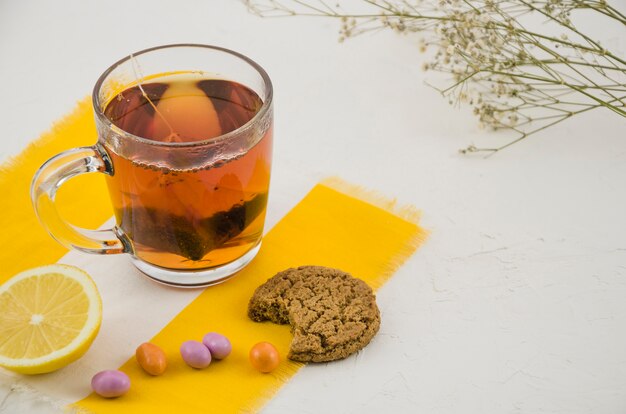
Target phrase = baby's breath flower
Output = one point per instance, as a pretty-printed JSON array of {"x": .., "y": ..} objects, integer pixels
[{"x": 512, "y": 76}]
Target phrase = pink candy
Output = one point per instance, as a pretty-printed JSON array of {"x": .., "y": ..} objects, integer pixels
[
  {"x": 195, "y": 354},
  {"x": 110, "y": 383},
  {"x": 218, "y": 344}
]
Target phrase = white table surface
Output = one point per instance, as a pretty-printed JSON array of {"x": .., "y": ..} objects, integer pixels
[{"x": 517, "y": 302}]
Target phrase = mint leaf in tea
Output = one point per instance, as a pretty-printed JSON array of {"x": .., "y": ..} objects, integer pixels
[{"x": 195, "y": 207}]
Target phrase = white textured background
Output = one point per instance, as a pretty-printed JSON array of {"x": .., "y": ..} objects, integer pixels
[{"x": 516, "y": 304}]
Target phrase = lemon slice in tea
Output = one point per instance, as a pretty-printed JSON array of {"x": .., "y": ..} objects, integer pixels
[{"x": 49, "y": 316}]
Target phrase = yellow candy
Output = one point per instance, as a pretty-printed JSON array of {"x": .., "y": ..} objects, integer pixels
[
  {"x": 264, "y": 357},
  {"x": 151, "y": 358}
]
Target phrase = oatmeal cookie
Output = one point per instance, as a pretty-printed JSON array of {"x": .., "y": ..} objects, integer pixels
[{"x": 331, "y": 313}]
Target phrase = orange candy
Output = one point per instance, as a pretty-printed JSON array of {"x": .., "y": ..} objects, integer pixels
[
  {"x": 264, "y": 357},
  {"x": 151, "y": 358}
]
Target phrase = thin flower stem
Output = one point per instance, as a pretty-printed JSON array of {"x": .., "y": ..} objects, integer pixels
[
  {"x": 526, "y": 134},
  {"x": 571, "y": 62}
]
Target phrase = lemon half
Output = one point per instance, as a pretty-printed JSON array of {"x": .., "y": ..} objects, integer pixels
[{"x": 49, "y": 316}]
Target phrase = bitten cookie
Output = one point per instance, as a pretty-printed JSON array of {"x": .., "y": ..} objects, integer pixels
[{"x": 331, "y": 313}]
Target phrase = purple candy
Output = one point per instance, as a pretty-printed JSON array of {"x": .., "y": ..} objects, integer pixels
[
  {"x": 218, "y": 344},
  {"x": 110, "y": 383},
  {"x": 195, "y": 354}
]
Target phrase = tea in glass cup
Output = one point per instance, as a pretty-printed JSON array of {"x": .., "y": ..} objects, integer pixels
[{"x": 185, "y": 138}]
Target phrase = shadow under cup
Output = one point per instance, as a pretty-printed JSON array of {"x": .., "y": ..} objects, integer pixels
[{"x": 189, "y": 212}]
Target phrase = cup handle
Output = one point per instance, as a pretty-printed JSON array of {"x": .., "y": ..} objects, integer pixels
[{"x": 47, "y": 181}]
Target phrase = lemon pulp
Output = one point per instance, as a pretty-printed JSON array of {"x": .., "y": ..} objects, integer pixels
[{"x": 49, "y": 317}]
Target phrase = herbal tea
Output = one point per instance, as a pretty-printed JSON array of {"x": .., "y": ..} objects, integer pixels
[{"x": 182, "y": 216}]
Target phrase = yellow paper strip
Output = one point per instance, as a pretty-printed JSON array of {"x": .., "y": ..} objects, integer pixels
[
  {"x": 327, "y": 228},
  {"x": 23, "y": 241}
]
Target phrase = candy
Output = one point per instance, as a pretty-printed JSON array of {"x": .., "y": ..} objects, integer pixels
[
  {"x": 110, "y": 383},
  {"x": 218, "y": 344},
  {"x": 264, "y": 357},
  {"x": 195, "y": 354},
  {"x": 151, "y": 358}
]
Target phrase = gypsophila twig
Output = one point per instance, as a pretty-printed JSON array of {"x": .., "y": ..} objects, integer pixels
[{"x": 513, "y": 77}]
